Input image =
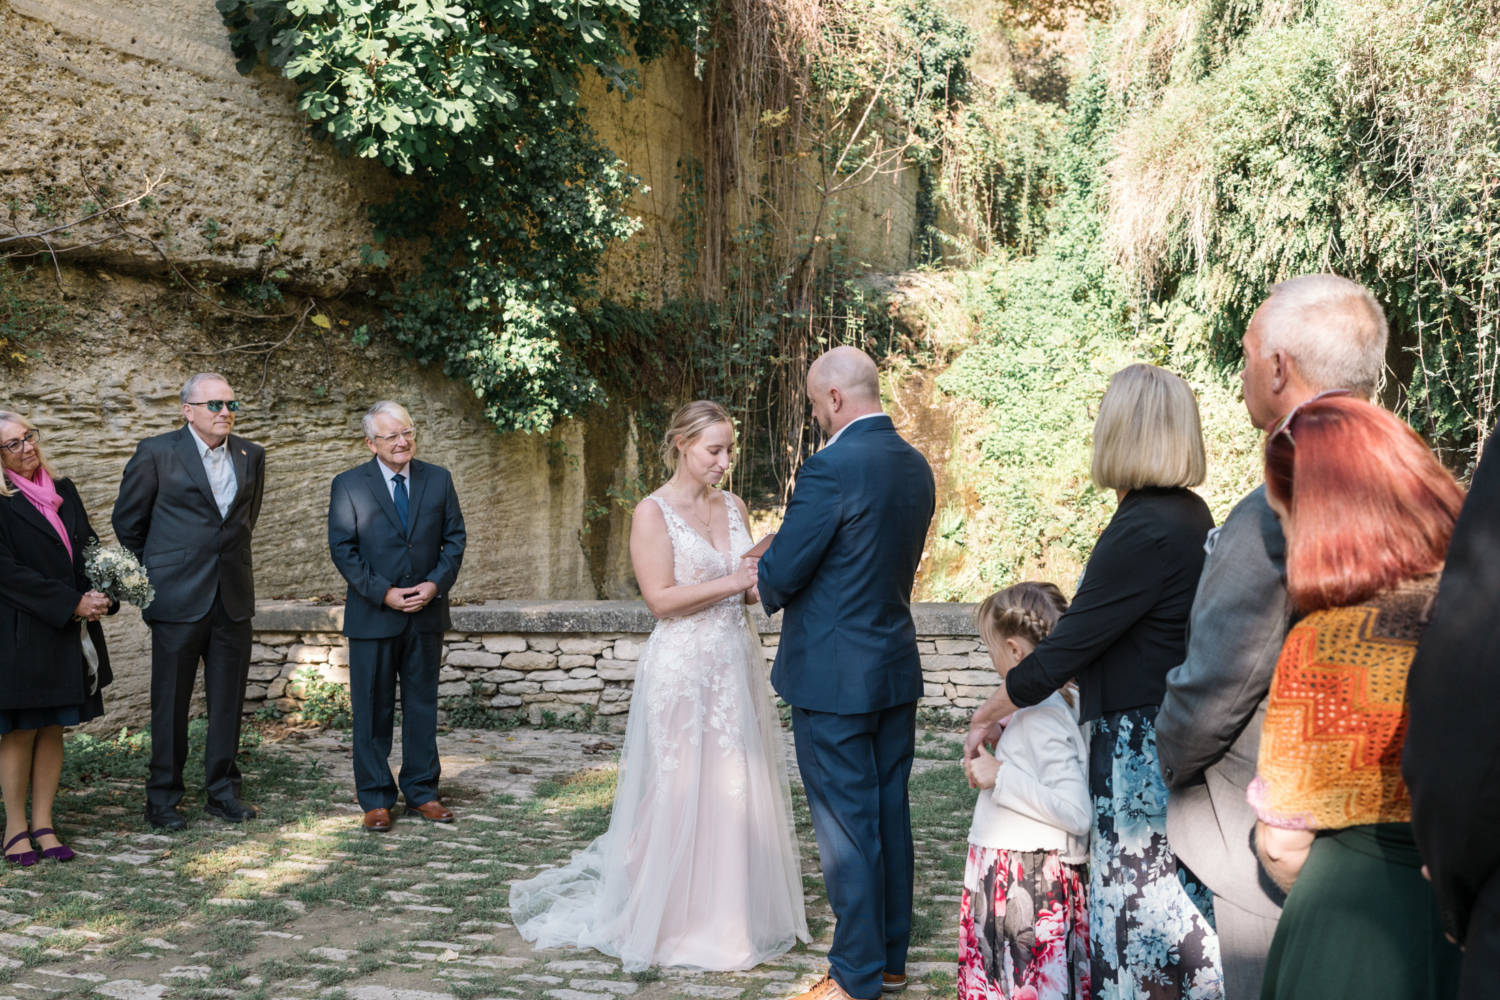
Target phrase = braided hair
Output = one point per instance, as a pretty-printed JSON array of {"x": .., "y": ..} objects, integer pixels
[{"x": 1027, "y": 611}]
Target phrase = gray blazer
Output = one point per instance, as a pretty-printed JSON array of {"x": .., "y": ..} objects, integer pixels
[
  {"x": 167, "y": 516},
  {"x": 1208, "y": 729}
]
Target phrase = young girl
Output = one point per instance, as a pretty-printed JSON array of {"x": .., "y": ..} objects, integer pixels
[{"x": 1024, "y": 918}]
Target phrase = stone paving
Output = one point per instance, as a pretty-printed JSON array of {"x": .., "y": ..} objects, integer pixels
[{"x": 302, "y": 904}]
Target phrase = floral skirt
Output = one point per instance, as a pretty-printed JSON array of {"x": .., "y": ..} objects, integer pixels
[
  {"x": 1151, "y": 929},
  {"x": 1023, "y": 932}
]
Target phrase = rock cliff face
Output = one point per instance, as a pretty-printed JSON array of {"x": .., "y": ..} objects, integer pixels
[{"x": 97, "y": 96}]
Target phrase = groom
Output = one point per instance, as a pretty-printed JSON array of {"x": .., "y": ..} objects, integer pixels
[{"x": 842, "y": 567}]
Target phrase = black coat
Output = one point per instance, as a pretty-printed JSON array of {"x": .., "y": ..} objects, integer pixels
[
  {"x": 41, "y": 655},
  {"x": 167, "y": 516},
  {"x": 373, "y": 554},
  {"x": 1451, "y": 763},
  {"x": 1127, "y": 626}
]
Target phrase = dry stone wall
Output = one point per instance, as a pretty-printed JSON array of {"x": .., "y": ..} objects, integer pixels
[{"x": 566, "y": 657}]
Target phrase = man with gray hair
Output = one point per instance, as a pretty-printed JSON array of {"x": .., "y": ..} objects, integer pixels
[
  {"x": 188, "y": 504},
  {"x": 397, "y": 536},
  {"x": 1316, "y": 334}
]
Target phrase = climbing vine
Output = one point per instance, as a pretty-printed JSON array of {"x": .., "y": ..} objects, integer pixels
[{"x": 513, "y": 197}]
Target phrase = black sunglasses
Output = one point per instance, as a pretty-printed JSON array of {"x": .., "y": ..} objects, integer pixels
[{"x": 215, "y": 405}]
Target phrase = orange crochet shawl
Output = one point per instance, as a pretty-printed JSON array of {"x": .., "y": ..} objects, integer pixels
[{"x": 1330, "y": 751}]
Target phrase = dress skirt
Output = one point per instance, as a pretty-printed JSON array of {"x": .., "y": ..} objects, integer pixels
[
  {"x": 14, "y": 719},
  {"x": 1151, "y": 930},
  {"x": 1361, "y": 922},
  {"x": 1023, "y": 927}
]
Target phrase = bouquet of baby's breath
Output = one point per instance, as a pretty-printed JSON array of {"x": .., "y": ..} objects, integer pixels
[{"x": 117, "y": 574}]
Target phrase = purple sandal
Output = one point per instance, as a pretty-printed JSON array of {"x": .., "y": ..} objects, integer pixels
[
  {"x": 60, "y": 853},
  {"x": 25, "y": 859}
]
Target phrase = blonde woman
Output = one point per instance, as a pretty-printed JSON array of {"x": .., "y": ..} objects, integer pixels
[
  {"x": 49, "y": 623},
  {"x": 700, "y": 867},
  {"x": 1150, "y": 920}
]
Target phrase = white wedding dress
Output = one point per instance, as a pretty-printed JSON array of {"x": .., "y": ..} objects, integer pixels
[{"x": 699, "y": 867}]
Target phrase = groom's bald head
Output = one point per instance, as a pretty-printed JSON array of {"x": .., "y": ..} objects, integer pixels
[{"x": 841, "y": 385}]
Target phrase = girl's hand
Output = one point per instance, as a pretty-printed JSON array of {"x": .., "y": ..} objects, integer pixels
[
  {"x": 752, "y": 596},
  {"x": 982, "y": 769}
]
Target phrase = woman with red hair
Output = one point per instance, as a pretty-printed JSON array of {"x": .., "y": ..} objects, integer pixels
[{"x": 1367, "y": 512}]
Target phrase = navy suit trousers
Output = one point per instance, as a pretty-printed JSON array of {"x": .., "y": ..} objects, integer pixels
[
  {"x": 375, "y": 667},
  {"x": 854, "y": 768}
]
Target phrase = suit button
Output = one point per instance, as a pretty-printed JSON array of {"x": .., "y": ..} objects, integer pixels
[
  {"x": 1170, "y": 774},
  {"x": 408, "y": 545}
]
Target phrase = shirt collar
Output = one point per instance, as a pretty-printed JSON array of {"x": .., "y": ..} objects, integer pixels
[
  {"x": 203, "y": 449},
  {"x": 389, "y": 473},
  {"x": 862, "y": 416}
]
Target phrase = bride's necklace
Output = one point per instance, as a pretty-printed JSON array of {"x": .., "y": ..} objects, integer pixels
[{"x": 707, "y": 524}]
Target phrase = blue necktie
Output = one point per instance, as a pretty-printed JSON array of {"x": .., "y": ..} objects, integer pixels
[{"x": 400, "y": 498}]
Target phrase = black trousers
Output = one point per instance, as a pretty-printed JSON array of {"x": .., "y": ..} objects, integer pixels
[
  {"x": 1480, "y": 978},
  {"x": 855, "y": 769},
  {"x": 375, "y": 667},
  {"x": 176, "y": 647}
]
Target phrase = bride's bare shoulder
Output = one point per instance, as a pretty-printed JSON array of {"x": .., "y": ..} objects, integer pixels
[
  {"x": 649, "y": 511},
  {"x": 739, "y": 505}
]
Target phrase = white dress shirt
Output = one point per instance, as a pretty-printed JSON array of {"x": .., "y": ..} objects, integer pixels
[
  {"x": 390, "y": 478},
  {"x": 862, "y": 416},
  {"x": 220, "y": 468}
]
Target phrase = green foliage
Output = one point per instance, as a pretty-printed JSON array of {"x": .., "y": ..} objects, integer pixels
[
  {"x": 515, "y": 197},
  {"x": 22, "y": 318},
  {"x": 473, "y": 711},
  {"x": 90, "y": 759},
  {"x": 324, "y": 702}
]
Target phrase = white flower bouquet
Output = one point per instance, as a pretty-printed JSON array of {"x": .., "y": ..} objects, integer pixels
[{"x": 116, "y": 573}]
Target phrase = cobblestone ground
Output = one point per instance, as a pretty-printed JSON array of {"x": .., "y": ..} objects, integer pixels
[{"x": 301, "y": 904}]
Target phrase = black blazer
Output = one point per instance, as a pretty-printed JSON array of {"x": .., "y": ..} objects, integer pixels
[
  {"x": 167, "y": 516},
  {"x": 374, "y": 555},
  {"x": 1127, "y": 627},
  {"x": 842, "y": 565},
  {"x": 1451, "y": 763},
  {"x": 41, "y": 657}
]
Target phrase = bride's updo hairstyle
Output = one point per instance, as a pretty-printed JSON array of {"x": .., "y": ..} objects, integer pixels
[{"x": 688, "y": 424}]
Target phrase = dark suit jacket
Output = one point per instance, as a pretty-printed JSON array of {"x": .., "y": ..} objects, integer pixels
[
  {"x": 1452, "y": 759},
  {"x": 842, "y": 566},
  {"x": 374, "y": 555},
  {"x": 1127, "y": 626},
  {"x": 41, "y": 659},
  {"x": 167, "y": 516},
  {"x": 1208, "y": 729}
]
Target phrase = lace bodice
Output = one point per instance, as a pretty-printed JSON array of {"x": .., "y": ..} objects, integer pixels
[{"x": 694, "y": 558}]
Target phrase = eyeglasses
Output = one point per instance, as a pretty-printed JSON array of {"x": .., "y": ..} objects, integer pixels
[
  {"x": 215, "y": 405},
  {"x": 30, "y": 437},
  {"x": 410, "y": 434},
  {"x": 1286, "y": 422}
]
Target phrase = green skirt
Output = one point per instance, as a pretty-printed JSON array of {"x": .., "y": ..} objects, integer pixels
[{"x": 1362, "y": 923}]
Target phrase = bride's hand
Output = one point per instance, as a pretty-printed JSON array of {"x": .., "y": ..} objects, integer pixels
[{"x": 746, "y": 576}]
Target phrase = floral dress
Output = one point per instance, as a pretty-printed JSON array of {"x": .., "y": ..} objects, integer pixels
[
  {"x": 1023, "y": 927},
  {"x": 1151, "y": 930}
]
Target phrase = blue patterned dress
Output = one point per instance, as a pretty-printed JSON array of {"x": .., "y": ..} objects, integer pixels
[{"x": 1151, "y": 929}]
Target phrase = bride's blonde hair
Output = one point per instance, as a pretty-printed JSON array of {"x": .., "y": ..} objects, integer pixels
[{"x": 688, "y": 424}]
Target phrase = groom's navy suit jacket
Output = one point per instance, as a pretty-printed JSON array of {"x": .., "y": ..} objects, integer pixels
[{"x": 842, "y": 566}]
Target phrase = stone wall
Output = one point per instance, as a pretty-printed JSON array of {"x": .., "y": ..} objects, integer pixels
[{"x": 566, "y": 657}]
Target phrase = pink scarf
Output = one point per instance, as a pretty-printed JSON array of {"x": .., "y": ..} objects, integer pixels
[{"x": 43, "y": 496}]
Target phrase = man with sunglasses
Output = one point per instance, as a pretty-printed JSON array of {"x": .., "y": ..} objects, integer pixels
[
  {"x": 187, "y": 507},
  {"x": 1319, "y": 334}
]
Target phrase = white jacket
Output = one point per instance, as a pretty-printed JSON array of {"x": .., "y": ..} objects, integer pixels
[{"x": 1040, "y": 801}]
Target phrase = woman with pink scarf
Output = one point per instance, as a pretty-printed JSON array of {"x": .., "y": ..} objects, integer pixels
[{"x": 53, "y": 663}]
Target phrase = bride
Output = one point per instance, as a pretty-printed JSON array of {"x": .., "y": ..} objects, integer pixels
[{"x": 699, "y": 867}]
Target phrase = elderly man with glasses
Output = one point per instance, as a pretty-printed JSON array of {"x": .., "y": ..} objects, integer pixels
[
  {"x": 187, "y": 508},
  {"x": 397, "y": 536}
]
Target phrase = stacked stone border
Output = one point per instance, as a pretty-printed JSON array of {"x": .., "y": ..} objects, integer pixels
[{"x": 565, "y": 657}]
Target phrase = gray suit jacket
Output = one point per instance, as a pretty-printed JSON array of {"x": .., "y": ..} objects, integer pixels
[
  {"x": 167, "y": 516},
  {"x": 1208, "y": 729}
]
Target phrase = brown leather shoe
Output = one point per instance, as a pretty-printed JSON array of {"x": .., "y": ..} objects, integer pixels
[
  {"x": 825, "y": 989},
  {"x": 378, "y": 821},
  {"x": 434, "y": 811},
  {"x": 890, "y": 982}
]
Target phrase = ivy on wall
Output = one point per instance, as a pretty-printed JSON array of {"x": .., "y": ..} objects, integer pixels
[{"x": 514, "y": 198}]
